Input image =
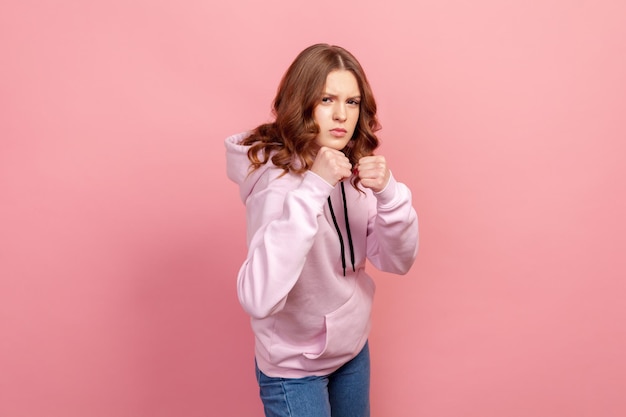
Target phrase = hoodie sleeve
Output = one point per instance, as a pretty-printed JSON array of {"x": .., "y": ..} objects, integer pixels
[
  {"x": 282, "y": 224},
  {"x": 392, "y": 235}
]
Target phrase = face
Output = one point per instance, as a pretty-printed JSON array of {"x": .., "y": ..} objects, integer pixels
[{"x": 337, "y": 112}]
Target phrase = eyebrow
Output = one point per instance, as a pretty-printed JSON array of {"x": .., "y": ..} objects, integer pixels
[{"x": 358, "y": 96}]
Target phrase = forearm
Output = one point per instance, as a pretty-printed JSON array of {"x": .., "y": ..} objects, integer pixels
[
  {"x": 278, "y": 248},
  {"x": 394, "y": 237}
]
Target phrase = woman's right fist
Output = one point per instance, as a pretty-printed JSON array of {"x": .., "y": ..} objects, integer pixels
[{"x": 332, "y": 165}]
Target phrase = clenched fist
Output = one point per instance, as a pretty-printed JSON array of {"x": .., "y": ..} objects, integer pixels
[
  {"x": 332, "y": 165},
  {"x": 373, "y": 172}
]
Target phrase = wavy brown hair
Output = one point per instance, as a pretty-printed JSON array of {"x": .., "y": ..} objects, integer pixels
[{"x": 289, "y": 141}]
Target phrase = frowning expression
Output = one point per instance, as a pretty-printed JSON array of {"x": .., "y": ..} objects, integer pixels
[{"x": 337, "y": 112}]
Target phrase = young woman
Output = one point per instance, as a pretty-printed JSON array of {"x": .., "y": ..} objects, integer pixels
[{"x": 318, "y": 203}]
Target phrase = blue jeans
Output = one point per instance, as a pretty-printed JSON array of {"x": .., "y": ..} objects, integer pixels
[{"x": 344, "y": 393}]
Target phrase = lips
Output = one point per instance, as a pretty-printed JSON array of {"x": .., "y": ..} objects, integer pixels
[{"x": 338, "y": 132}]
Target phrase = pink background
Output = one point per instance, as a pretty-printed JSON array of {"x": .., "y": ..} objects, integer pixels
[{"x": 120, "y": 235}]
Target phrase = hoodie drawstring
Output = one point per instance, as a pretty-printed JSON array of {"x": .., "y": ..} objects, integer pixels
[{"x": 345, "y": 214}]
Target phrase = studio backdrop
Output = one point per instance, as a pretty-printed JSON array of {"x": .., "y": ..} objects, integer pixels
[{"x": 121, "y": 236}]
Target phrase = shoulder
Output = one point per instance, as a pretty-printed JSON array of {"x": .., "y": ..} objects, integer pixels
[{"x": 274, "y": 179}]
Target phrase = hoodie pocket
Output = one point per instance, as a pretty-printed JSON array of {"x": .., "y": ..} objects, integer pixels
[{"x": 347, "y": 327}]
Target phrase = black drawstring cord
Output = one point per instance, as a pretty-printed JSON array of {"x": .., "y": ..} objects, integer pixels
[
  {"x": 345, "y": 213},
  {"x": 343, "y": 255}
]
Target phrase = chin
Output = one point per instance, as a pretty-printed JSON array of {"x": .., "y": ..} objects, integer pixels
[
  {"x": 338, "y": 145},
  {"x": 333, "y": 143}
]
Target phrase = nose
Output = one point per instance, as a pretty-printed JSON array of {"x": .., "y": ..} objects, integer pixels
[{"x": 339, "y": 112}]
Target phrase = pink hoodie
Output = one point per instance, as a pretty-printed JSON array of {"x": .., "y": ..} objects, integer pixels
[{"x": 309, "y": 316}]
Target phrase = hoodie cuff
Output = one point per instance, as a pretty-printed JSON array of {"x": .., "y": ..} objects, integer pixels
[
  {"x": 319, "y": 180},
  {"x": 316, "y": 187},
  {"x": 388, "y": 194}
]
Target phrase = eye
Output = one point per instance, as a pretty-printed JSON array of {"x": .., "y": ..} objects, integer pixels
[
  {"x": 354, "y": 102},
  {"x": 327, "y": 99}
]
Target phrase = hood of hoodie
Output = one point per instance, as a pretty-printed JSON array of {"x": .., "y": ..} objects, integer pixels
[{"x": 238, "y": 165}]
